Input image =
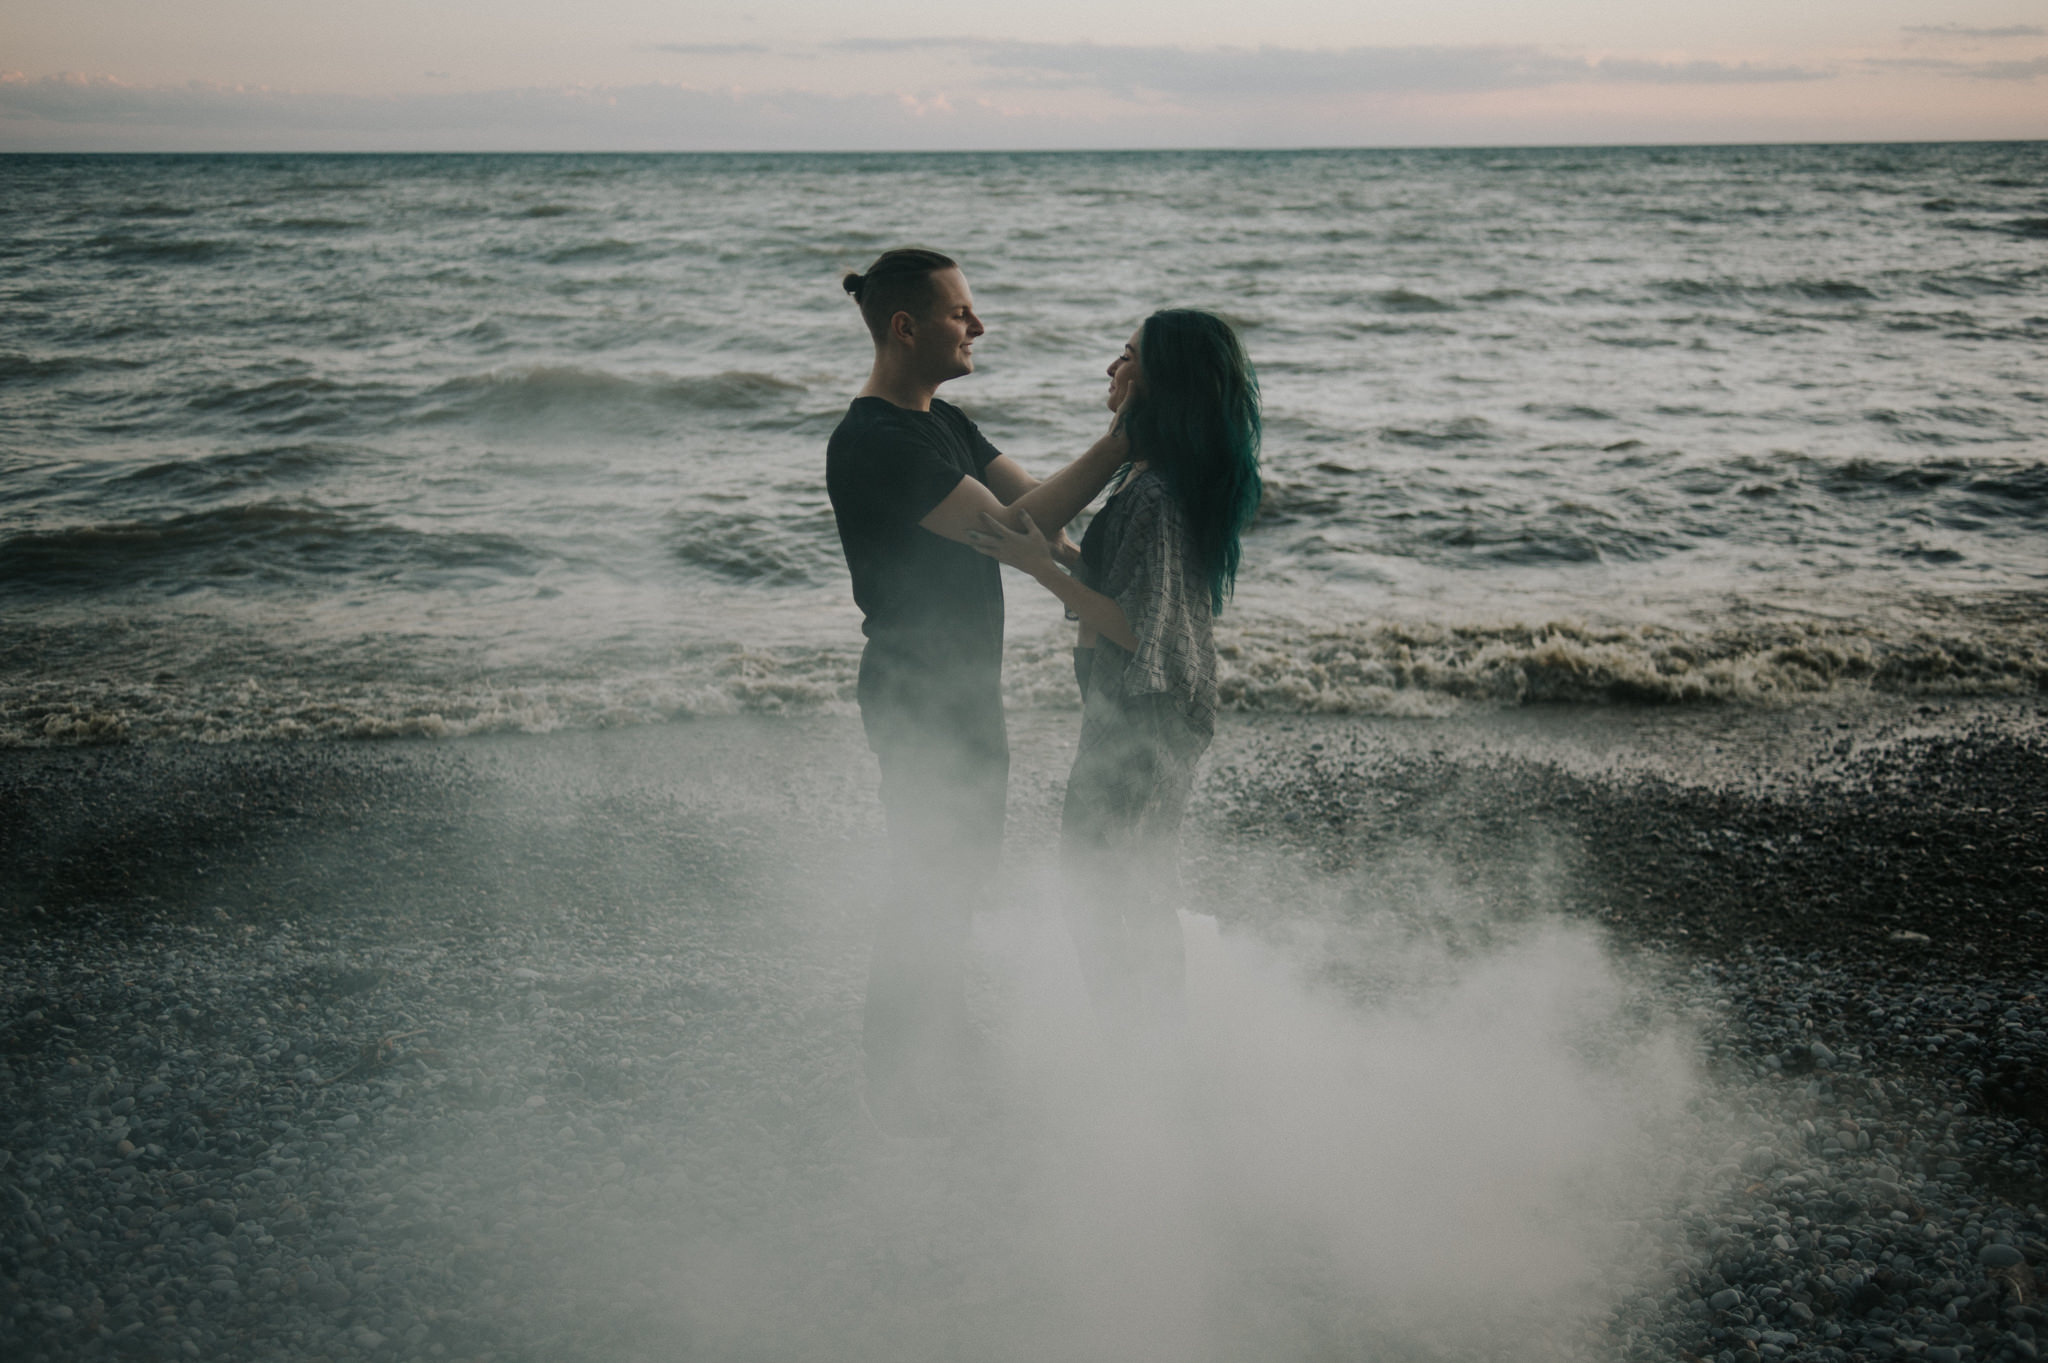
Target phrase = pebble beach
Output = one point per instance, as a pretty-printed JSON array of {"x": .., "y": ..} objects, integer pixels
[{"x": 545, "y": 1047}]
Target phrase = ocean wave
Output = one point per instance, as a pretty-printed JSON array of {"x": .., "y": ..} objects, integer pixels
[
  {"x": 1355, "y": 328},
  {"x": 1461, "y": 430},
  {"x": 608, "y": 249},
  {"x": 760, "y": 550},
  {"x": 1930, "y": 321},
  {"x": 316, "y": 224},
  {"x": 296, "y": 402},
  {"x": 1405, "y": 668},
  {"x": 1408, "y": 300},
  {"x": 1647, "y": 503},
  {"x": 122, "y": 246},
  {"x": 1395, "y": 668},
  {"x": 1976, "y": 284},
  {"x": 237, "y": 470},
  {"x": 1812, "y": 290},
  {"x": 16, "y": 367},
  {"x": 2001, "y": 489},
  {"x": 2023, "y": 491},
  {"x": 263, "y": 542},
  {"x": 1284, "y": 503},
  {"x": 1567, "y": 411},
  {"x": 1385, "y": 519},
  {"x": 51, "y": 714},
  {"x": 1420, "y": 669},
  {"x": 569, "y": 391}
]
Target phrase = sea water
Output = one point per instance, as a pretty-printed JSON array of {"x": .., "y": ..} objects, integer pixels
[{"x": 359, "y": 445}]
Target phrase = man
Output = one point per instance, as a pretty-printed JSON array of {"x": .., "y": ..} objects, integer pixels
[{"x": 909, "y": 477}]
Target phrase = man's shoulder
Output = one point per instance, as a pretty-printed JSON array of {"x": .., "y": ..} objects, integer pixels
[
  {"x": 863, "y": 416},
  {"x": 957, "y": 421},
  {"x": 869, "y": 419},
  {"x": 867, "y": 433}
]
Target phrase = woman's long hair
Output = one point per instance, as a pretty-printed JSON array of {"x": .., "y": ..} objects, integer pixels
[{"x": 1195, "y": 418}]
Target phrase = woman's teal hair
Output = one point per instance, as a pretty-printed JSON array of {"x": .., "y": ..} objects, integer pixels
[{"x": 1195, "y": 418}]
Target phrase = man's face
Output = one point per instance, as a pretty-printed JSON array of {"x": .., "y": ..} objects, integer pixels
[{"x": 944, "y": 338}]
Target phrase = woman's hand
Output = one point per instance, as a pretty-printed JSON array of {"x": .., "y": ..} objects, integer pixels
[
  {"x": 1027, "y": 549},
  {"x": 1117, "y": 438}
]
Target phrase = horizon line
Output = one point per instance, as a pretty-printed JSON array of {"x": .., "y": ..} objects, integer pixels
[{"x": 1043, "y": 151}]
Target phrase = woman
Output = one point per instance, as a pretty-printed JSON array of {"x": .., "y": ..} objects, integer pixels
[{"x": 1155, "y": 565}]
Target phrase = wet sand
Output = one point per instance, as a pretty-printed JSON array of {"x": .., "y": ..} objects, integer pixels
[{"x": 377, "y": 1050}]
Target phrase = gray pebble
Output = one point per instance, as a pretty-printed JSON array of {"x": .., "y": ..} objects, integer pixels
[{"x": 329, "y": 1296}]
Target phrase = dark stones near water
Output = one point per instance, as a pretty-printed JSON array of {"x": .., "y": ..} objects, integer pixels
[
  {"x": 2019, "y": 1088},
  {"x": 1840, "y": 1218},
  {"x": 328, "y": 1296},
  {"x": 1890, "y": 1012}
]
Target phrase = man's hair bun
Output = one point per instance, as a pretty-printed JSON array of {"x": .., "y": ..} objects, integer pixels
[{"x": 898, "y": 281}]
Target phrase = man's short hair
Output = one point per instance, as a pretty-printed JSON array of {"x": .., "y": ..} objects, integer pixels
[{"x": 898, "y": 281}]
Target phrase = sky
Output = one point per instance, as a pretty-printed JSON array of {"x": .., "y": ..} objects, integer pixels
[{"x": 510, "y": 75}]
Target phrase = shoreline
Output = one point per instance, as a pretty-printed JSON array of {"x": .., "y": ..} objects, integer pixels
[{"x": 393, "y": 1033}]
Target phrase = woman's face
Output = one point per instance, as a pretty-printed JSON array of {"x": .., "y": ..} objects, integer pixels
[{"x": 1125, "y": 375}]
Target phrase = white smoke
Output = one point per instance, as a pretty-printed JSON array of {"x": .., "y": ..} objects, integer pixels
[{"x": 1370, "y": 1143}]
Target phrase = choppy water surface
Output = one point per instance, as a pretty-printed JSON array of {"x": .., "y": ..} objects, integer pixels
[{"x": 359, "y": 445}]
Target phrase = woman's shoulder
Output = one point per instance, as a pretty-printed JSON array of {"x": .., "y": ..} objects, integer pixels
[
  {"x": 1150, "y": 494},
  {"x": 1145, "y": 485}
]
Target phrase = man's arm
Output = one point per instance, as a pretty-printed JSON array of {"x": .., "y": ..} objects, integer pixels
[
  {"x": 1051, "y": 504},
  {"x": 1007, "y": 479},
  {"x": 1029, "y": 550}
]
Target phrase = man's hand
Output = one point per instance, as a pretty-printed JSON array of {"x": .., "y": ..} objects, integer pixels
[{"x": 1026, "y": 549}]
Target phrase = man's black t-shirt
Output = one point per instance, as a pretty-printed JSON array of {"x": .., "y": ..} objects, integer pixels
[{"x": 932, "y": 607}]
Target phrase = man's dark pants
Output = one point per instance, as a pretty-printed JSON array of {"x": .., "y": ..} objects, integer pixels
[{"x": 945, "y": 770}]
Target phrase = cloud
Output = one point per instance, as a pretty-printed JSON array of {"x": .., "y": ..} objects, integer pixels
[
  {"x": 1278, "y": 72},
  {"x": 1701, "y": 72},
  {"x": 710, "y": 49},
  {"x": 1965, "y": 31},
  {"x": 2031, "y": 68},
  {"x": 1212, "y": 95},
  {"x": 85, "y": 111}
]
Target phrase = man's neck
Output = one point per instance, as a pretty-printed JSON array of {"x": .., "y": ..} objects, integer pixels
[{"x": 893, "y": 384}]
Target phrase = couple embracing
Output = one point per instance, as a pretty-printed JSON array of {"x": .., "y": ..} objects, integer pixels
[{"x": 927, "y": 508}]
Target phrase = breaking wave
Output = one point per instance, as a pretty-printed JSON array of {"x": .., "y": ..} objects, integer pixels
[
  {"x": 574, "y": 392},
  {"x": 1391, "y": 668},
  {"x": 270, "y": 541}
]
